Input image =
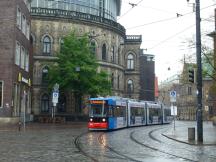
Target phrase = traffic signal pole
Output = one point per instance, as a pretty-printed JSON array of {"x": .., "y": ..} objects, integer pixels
[{"x": 199, "y": 75}]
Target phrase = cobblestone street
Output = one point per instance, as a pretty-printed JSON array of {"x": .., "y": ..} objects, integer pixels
[
  {"x": 72, "y": 142},
  {"x": 41, "y": 142}
]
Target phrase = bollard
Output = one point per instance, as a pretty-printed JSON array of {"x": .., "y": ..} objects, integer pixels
[
  {"x": 19, "y": 125},
  {"x": 191, "y": 134}
]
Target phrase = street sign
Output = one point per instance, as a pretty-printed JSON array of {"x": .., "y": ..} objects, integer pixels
[
  {"x": 172, "y": 96},
  {"x": 174, "y": 110},
  {"x": 55, "y": 97}
]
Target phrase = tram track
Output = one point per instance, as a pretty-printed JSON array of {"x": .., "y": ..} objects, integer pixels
[
  {"x": 103, "y": 150},
  {"x": 151, "y": 136},
  {"x": 162, "y": 142},
  {"x": 156, "y": 149},
  {"x": 101, "y": 141},
  {"x": 81, "y": 150}
]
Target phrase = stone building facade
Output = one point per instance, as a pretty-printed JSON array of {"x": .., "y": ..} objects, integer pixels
[
  {"x": 117, "y": 53},
  {"x": 186, "y": 100},
  {"x": 15, "y": 59}
]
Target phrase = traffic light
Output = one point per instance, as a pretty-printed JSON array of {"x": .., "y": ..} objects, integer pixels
[{"x": 191, "y": 75}]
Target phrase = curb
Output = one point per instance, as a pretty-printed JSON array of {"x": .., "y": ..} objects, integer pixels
[{"x": 192, "y": 143}]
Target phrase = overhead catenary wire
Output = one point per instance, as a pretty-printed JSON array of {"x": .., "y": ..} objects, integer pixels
[
  {"x": 130, "y": 9},
  {"x": 167, "y": 19},
  {"x": 172, "y": 36}
]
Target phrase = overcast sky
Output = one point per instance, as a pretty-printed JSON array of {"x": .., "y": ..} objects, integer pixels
[{"x": 163, "y": 33}]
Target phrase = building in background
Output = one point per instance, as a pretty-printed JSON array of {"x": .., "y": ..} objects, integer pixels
[
  {"x": 15, "y": 60},
  {"x": 117, "y": 53},
  {"x": 212, "y": 94},
  {"x": 186, "y": 99},
  {"x": 147, "y": 77}
]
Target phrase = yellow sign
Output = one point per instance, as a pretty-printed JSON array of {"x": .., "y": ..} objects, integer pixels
[{"x": 97, "y": 102}]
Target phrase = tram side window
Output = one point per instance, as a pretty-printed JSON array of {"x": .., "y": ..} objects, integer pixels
[
  {"x": 137, "y": 111},
  {"x": 167, "y": 112},
  {"x": 119, "y": 111},
  {"x": 154, "y": 112},
  {"x": 110, "y": 111}
]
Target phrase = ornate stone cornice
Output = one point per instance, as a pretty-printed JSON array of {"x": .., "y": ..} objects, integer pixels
[{"x": 77, "y": 16}]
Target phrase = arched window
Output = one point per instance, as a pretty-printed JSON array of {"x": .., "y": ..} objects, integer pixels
[
  {"x": 93, "y": 47},
  {"x": 130, "y": 61},
  {"x": 44, "y": 103},
  {"x": 118, "y": 56},
  {"x": 104, "y": 52},
  {"x": 45, "y": 72},
  {"x": 113, "y": 54},
  {"x": 46, "y": 45},
  {"x": 61, "y": 43},
  {"x": 130, "y": 86},
  {"x": 62, "y": 103}
]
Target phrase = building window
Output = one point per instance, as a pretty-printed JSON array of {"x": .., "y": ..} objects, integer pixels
[
  {"x": 130, "y": 86},
  {"x": 22, "y": 64},
  {"x": 1, "y": 94},
  {"x": 45, "y": 103},
  {"x": 93, "y": 47},
  {"x": 17, "y": 55},
  {"x": 47, "y": 45},
  {"x": 45, "y": 72},
  {"x": 28, "y": 31},
  {"x": 104, "y": 52},
  {"x": 130, "y": 61},
  {"x": 24, "y": 24},
  {"x": 118, "y": 56},
  {"x": 19, "y": 18},
  {"x": 189, "y": 90},
  {"x": 62, "y": 103},
  {"x": 27, "y": 61},
  {"x": 113, "y": 54}
]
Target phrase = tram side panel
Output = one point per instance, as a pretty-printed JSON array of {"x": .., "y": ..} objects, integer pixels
[
  {"x": 167, "y": 118},
  {"x": 118, "y": 117},
  {"x": 154, "y": 113},
  {"x": 136, "y": 114}
]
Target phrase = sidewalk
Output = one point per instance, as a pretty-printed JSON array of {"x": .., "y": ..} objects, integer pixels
[
  {"x": 180, "y": 133},
  {"x": 42, "y": 126}
]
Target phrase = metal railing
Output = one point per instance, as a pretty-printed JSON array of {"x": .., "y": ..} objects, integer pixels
[{"x": 73, "y": 15}]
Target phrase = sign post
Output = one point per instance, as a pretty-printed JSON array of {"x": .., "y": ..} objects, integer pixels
[
  {"x": 173, "y": 108},
  {"x": 55, "y": 96}
]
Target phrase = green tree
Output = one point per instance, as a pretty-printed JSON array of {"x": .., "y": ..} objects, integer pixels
[
  {"x": 208, "y": 68},
  {"x": 76, "y": 69}
]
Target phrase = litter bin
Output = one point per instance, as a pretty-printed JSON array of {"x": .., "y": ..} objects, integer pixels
[{"x": 191, "y": 134}]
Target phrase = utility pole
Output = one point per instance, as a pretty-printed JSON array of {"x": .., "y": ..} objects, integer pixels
[{"x": 199, "y": 74}]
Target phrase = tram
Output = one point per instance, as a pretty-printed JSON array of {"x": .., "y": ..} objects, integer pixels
[{"x": 110, "y": 113}]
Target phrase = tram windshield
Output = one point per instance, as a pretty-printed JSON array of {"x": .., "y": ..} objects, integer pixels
[{"x": 98, "y": 110}]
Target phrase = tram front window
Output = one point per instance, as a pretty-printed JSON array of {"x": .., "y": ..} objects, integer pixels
[{"x": 97, "y": 110}]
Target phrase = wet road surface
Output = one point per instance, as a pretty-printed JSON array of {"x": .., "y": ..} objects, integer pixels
[{"x": 73, "y": 142}]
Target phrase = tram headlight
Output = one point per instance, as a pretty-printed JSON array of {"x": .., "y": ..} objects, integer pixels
[
  {"x": 103, "y": 119},
  {"x": 91, "y": 119}
]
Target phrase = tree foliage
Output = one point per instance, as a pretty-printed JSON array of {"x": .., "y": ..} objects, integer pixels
[
  {"x": 207, "y": 53},
  {"x": 77, "y": 69}
]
